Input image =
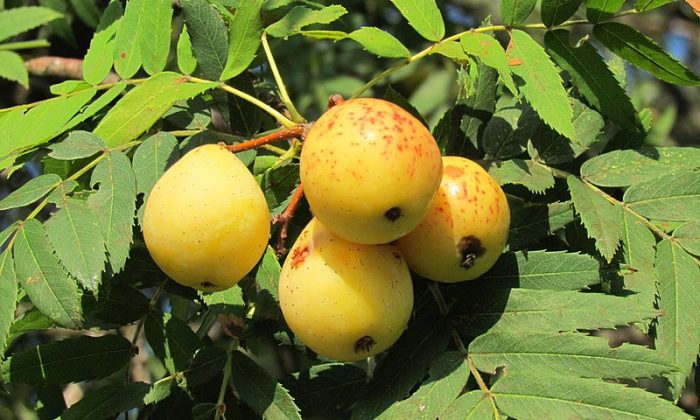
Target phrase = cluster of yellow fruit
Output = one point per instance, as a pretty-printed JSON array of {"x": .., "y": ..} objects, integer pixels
[{"x": 383, "y": 200}]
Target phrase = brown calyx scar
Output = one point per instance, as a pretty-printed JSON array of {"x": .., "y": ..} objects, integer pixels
[
  {"x": 207, "y": 285},
  {"x": 364, "y": 344},
  {"x": 393, "y": 213},
  {"x": 470, "y": 249}
]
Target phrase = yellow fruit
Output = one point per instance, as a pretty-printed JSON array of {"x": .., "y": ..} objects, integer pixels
[
  {"x": 206, "y": 222},
  {"x": 466, "y": 228},
  {"x": 344, "y": 300},
  {"x": 369, "y": 170}
]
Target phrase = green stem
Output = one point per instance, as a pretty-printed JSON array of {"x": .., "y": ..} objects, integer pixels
[
  {"x": 439, "y": 298},
  {"x": 492, "y": 28},
  {"x": 284, "y": 96},
  {"x": 25, "y": 45},
  {"x": 220, "y": 407},
  {"x": 284, "y": 121},
  {"x": 482, "y": 386}
]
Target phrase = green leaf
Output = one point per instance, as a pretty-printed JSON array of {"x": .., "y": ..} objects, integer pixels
[
  {"x": 77, "y": 240},
  {"x": 31, "y": 191},
  {"x": 207, "y": 364},
  {"x": 509, "y": 129},
  {"x": 544, "y": 270},
  {"x": 21, "y": 131},
  {"x": 541, "y": 84},
  {"x": 226, "y": 301},
  {"x": 8, "y": 295},
  {"x": 151, "y": 159},
  {"x": 602, "y": 219},
  {"x": 639, "y": 252},
  {"x": 99, "y": 57},
  {"x": 277, "y": 185},
  {"x": 554, "y": 12},
  {"x": 479, "y": 97},
  {"x": 599, "y": 10},
  {"x": 673, "y": 197},
  {"x": 107, "y": 401},
  {"x": 160, "y": 390},
  {"x": 622, "y": 168},
  {"x": 522, "y": 172},
  {"x": 514, "y": 12},
  {"x": 405, "y": 366},
  {"x": 532, "y": 222},
  {"x": 379, "y": 42},
  {"x": 565, "y": 354},
  {"x": 245, "y": 117},
  {"x": 644, "y": 5},
  {"x": 424, "y": 16},
  {"x": 677, "y": 337},
  {"x": 300, "y": 17},
  {"x": 552, "y": 148},
  {"x": 50, "y": 288},
  {"x": 63, "y": 189},
  {"x": 32, "y": 320},
  {"x": 128, "y": 39},
  {"x": 209, "y": 39},
  {"x": 261, "y": 392},
  {"x": 96, "y": 105},
  {"x": 446, "y": 377},
  {"x": 139, "y": 109},
  {"x": 392, "y": 95},
  {"x": 68, "y": 360},
  {"x": 78, "y": 145},
  {"x": 474, "y": 405},
  {"x": 119, "y": 305},
  {"x": 328, "y": 389},
  {"x": 12, "y": 68},
  {"x": 324, "y": 34},
  {"x": 9, "y": 230},
  {"x": 452, "y": 50},
  {"x": 268, "y": 273},
  {"x": 643, "y": 52},
  {"x": 487, "y": 49},
  {"x": 114, "y": 204},
  {"x": 185, "y": 57},
  {"x": 155, "y": 35},
  {"x": 21, "y": 19},
  {"x": 244, "y": 39},
  {"x": 688, "y": 236},
  {"x": 543, "y": 310},
  {"x": 172, "y": 341},
  {"x": 68, "y": 86},
  {"x": 529, "y": 396},
  {"x": 87, "y": 11}
]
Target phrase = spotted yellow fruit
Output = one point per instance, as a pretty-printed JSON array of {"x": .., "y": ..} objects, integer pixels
[
  {"x": 465, "y": 230},
  {"x": 370, "y": 170},
  {"x": 345, "y": 301},
  {"x": 206, "y": 221}
]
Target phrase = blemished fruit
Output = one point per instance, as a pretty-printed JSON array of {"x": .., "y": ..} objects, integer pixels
[
  {"x": 370, "y": 170},
  {"x": 345, "y": 301},
  {"x": 206, "y": 221},
  {"x": 465, "y": 230}
]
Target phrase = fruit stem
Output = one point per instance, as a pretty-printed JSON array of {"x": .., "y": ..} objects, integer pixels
[
  {"x": 284, "y": 134},
  {"x": 220, "y": 406},
  {"x": 284, "y": 219},
  {"x": 334, "y": 100},
  {"x": 284, "y": 96},
  {"x": 439, "y": 298}
]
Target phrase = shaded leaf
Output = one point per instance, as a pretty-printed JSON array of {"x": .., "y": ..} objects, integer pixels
[
  {"x": 32, "y": 320},
  {"x": 261, "y": 392},
  {"x": 244, "y": 40},
  {"x": 78, "y": 145},
  {"x": 554, "y": 12},
  {"x": 544, "y": 270},
  {"x": 77, "y": 240},
  {"x": 541, "y": 84},
  {"x": 514, "y": 12},
  {"x": 424, "y": 16},
  {"x": 328, "y": 388},
  {"x": 644, "y": 53},
  {"x": 139, "y": 109},
  {"x": 392, "y": 95},
  {"x": 8, "y": 296},
  {"x": 622, "y": 168},
  {"x": 598, "y": 10},
  {"x": 114, "y": 204},
  {"x": 522, "y": 172},
  {"x": 208, "y": 36},
  {"x": 644, "y": 5},
  {"x": 107, "y": 401},
  {"x": 677, "y": 335},
  {"x": 50, "y": 288},
  {"x": 479, "y": 98},
  {"x": 673, "y": 198},
  {"x": 509, "y": 129},
  {"x": 562, "y": 397},
  {"x": 172, "y": 341},
  {"x": 207, "y": 363},
  {"x": 379, "y": 42},
  {"x": 530, "y": 223},
  {"x": 68, "y": 360},
  {"x": 300, "y": 17},
  {"x": 268, "y": 273},
  {"x": 30, "y": 191},
  {"x": 565, "y": 354},
  {"x": 99, "y": 57},
  {"x": 474, "y": 405},
  {"x": 602, "y": 219}
]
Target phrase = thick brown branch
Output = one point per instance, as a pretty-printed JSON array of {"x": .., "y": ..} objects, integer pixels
[
  {"x": 284, "y": 219},
  {"x": 62, "y": 67}
]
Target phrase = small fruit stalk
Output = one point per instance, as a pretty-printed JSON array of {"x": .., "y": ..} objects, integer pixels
[
  {"x": 206, "y": 221},
  {"x": 344, "y": 300},
  {"x": 370, "y": 170},
  {"x": 465, "y": 230}
]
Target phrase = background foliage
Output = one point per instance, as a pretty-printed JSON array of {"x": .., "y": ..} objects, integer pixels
[{"x": 579, "y": 109}]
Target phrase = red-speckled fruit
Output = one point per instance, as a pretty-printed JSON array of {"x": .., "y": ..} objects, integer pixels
[
  {"x": 370, "y": 170},
  {"x": 466, "y": 228},
  {"x": 345, "y": 301}
]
